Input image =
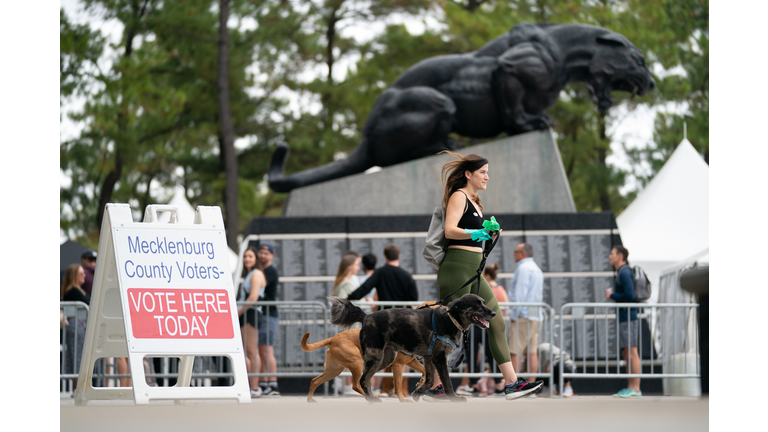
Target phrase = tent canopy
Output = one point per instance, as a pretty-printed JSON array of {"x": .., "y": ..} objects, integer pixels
[{"x": 669, "y": 220}]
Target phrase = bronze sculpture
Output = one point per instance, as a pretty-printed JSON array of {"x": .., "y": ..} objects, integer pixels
[{"x": 505, "y": 86}]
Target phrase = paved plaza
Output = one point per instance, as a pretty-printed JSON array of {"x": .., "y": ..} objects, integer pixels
[{"x": 293, "y": 413}]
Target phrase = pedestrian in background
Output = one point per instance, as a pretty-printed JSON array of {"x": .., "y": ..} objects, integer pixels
[
  {"x": 342, "y": 287},
  {"x": 348, "y": 267},
  {"x": 88, "y": 261},
  {"x": 268, "y": 321},
  {"x": 629, "y": 329},
  {"x": 527, "y": 286},
  {"x": 392, "y": 283},
  {"x": 254, "y": 284}
]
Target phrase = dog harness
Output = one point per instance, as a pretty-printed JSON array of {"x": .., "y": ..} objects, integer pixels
[{"x": 435, "y": 336}]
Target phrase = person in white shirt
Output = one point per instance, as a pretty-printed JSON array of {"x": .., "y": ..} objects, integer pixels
[{"x": 527, "y": 286}]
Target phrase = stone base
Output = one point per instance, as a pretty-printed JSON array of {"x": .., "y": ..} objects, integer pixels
[{"x": 526, "y": 176}]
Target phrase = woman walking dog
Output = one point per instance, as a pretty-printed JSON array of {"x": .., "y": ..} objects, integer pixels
[{"x": 462, "y": 179}]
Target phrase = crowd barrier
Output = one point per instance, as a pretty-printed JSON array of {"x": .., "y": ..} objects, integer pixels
[
  {"x": 674, "y": 337},
  {"x": 295, "y": 318},
  {"x": 73, "y": 317}
]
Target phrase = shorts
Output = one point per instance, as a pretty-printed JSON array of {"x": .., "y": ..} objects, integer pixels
[
  {"x": 523, "y": 333},
  {"x": 632, "y": 337},
  {"x": 248, "y": 316},
  {"x": 267, "y": 331}
]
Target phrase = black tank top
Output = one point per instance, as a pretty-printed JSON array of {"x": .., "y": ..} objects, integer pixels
[{"x": 469, "y": 220}]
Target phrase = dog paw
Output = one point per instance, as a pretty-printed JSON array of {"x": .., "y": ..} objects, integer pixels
[{"x": 416, "y": 397}]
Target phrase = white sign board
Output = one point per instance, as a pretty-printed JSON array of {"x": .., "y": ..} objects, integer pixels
[
  {"x": 178, "y": 289},
  {"x": 170, "y": 287}
]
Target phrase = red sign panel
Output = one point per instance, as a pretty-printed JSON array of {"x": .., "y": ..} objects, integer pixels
[{"x": 158, "y": 313}]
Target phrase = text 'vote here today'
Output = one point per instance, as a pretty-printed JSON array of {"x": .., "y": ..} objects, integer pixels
[{"x": 180, "y": 313}]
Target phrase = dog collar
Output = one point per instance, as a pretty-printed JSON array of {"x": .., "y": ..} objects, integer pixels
[{"x": 455, "y": 322}]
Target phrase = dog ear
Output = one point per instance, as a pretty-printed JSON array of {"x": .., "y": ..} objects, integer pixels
[{"x": 456, "y": 307}]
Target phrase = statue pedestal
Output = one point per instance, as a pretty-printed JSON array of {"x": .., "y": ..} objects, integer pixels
[{"x": 526, "y": 176}]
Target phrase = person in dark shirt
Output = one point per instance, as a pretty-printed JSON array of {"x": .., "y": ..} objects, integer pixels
[
  {"x": 268, "y": 321},
  {"x": 71, "y": 286},
  {"x": 88, "y": 260},
  {"x": 629, "y": 329},
  {"x": 392, "y": 283}
]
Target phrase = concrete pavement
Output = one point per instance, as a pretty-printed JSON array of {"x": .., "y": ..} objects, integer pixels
[{"x": 293, "y": 413}]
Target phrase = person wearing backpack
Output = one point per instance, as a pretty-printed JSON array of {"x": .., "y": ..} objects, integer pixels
[{"x": 629, "y": 328}]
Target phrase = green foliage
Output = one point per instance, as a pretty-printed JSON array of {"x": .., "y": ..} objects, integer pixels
[{"x": 151, "y": 116}]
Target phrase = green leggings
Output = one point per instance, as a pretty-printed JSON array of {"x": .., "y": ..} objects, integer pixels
[{"x": 458, "y": 267}]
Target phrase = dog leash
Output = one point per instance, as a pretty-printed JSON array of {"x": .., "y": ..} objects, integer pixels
[
  {"x": 486, "y": 251},
  {"x": 465, "y": 337}
]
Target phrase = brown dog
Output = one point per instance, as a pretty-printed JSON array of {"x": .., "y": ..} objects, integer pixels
[{"x": 344, "y": 352}]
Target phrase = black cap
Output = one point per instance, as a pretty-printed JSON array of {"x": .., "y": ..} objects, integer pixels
[
  {"x": 269, "y": 247},
  {"x": 89, "y": 254}
]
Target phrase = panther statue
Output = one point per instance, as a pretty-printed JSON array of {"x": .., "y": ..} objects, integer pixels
[{"x": 505, "y": 86}]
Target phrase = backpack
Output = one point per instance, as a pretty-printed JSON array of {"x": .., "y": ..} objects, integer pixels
[
  {"x": 642, "y": 284},
  {"x": 434, "y": 250}
]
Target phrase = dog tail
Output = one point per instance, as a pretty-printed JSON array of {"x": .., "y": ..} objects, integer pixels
[
  {"x": 344, "y": 313},
  {"x": 311, "y": 347}
]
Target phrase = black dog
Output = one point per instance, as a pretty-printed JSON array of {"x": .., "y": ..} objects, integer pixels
[{"x": 421, "y": 332}]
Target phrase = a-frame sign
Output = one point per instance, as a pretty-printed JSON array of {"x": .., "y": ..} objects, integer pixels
[{"x": 162, "y": 290}]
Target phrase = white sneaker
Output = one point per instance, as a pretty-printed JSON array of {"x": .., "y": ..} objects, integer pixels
[
  {"x": 464, "y": 391},
  {"x": 348, "y": 391},
  {"x": 256, "y": 393},
  {"x": 568, "y": 391},
  {"x": 271, "y": 391}
]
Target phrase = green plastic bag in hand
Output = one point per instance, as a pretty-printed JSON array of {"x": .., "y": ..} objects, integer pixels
[{"x": 491, "y": 225}]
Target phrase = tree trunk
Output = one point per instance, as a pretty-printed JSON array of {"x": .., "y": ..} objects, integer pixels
[
  {"x": 330, "y": 35},
  {"x": 108, "y": 187},
  {"x": 227, "y": 131}
]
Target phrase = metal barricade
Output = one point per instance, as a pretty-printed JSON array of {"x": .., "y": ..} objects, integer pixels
[
  {"x": 546, "y": 335},
  {"x": 294, "y": 319},
  {"x": 287, "y": 359},
  {"x": 599, "y": 355},
  {"x": 74, "y": 316}
]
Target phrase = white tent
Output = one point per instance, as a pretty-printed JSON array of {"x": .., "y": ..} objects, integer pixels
[
  {"x": 187, "y": 216},
  {"x": 668, "y": 222}
]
